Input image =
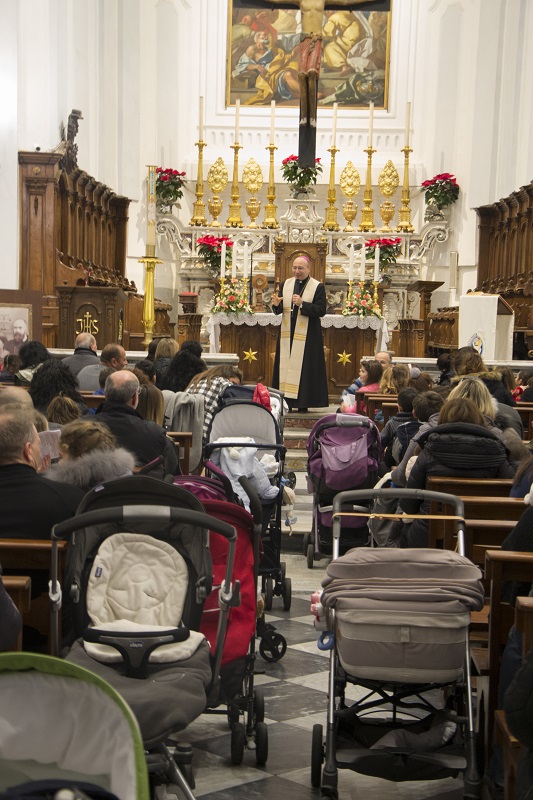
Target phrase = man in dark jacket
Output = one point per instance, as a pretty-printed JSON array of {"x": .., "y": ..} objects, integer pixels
[
  {"x": 84, "y": 355},
  {"x": 146, "y": 440},
  {"x": 31, "y": 504}
]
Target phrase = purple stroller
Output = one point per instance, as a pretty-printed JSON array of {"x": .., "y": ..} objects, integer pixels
[{"x": 343, "y": 454}]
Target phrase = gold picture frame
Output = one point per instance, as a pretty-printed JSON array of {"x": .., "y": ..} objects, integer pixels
[{"x": 262, "y": 57}]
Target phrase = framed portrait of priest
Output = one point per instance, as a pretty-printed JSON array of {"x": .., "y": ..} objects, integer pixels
[
  {"x": 352, "y": 49},
  {"x": 20, "y": 319}
]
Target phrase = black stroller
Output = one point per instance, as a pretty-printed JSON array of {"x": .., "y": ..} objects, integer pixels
[
  {"x": 398, "y": 630},
  {"x": 137, "y": 577}
]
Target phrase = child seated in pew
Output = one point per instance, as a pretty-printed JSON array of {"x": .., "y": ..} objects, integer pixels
[
  {"x": 399, "y": 430},
  {"x": 370, "y": 374},
  {"x": 522, "y": 380},
  {"x": 426, "y": 408}
]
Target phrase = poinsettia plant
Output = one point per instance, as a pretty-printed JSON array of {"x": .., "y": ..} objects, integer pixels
[
  {"x": 210, "y": 249},
  {"x": 299, "y": 177},
  {"x": 389, "y": 249},
  {"x": 360, "y": 302},
  {"x": 231, "y": 299},
  {"x": 169, "y": 185},
  {"x": 442, "y": 190}
]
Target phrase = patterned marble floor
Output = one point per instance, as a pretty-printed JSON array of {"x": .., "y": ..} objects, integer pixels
[{"x": 295, "y": 699}]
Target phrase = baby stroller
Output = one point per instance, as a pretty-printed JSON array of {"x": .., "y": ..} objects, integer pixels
[
  {"x": 139, "y": 576},
  {"x": 237, "y": 690},
  {"x": 343, "y": 451},
  {"x": 65, "y": 728},
  {"x": 398, "y": 629},
  {"x": 235, "y": 421}
]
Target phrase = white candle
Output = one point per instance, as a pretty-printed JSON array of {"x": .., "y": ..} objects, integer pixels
[
  {"x": 223, "y": 260},
  {"x": 376, "y": 264},
  {"x": 201, "y": 120},
  {"x": 237, "y": 108},
  {"x": 151, "y": 215},
  {"x": 350, "y": 264},
  {"x": 334, "y": 126},
  {"x": 363, "y": 262},
  {"x": 272, "y": 113},
  {"x": 371, "y": 124},
  {"x": 407, "y": 123},
  {"x": 245, "y": 259},
  {"x": 234, "y": 259}
]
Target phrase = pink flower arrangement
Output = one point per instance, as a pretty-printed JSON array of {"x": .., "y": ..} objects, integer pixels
[
  {"x": 361, "y": 303},
  {"x": 231, "y": 299}
]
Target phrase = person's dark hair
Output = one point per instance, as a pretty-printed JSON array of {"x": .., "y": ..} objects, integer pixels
[
  {"x": 12, "y": 364},
  {"x": 508, "y": 378},
  {"x": 192, "y": 346},
  {"x": 33, "y": 353},
  {"x": 442, "y": 391},
  {"x": 110, "y": 351},
  {"x": 467, "y": 361},
  {"x": 421, "y": 381},
  {"x": 406, "y": 397},
  {"x": 182, "y": 369},
  {"x": 104, "y": 374},
  {"x": 425, "y": 404},
  {"x": 374, "y": 370},
  {"x": 227, "y": 371},
  {"x": 152, "y": 347},
  {"x": 525, "y": 376},
  {"x": 147, "y": 367},
  {"x": 50, "y": 380},
  {"x": 444, "y": 362},
  {"x": 461, "y": 410}
]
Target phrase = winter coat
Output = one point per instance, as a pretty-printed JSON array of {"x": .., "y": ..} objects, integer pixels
[
  {"x": 493, "y": 381},
  {"x": 518, "y": 707},
  {"x": 458, "y": 450},
  {"x": 93, "y": 468},
  {"x": 82, "y": 357}
]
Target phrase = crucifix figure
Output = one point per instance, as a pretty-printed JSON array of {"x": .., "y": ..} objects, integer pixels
[{"x": 309, "y": 61}]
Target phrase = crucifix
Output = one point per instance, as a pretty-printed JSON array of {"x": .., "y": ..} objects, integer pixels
[{"x": 312, "y": 12}]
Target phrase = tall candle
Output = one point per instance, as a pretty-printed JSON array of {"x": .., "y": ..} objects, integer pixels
[
  {"x": 407, "y": 123},
  {"x": 150, "y": 216},
  {"x": 334, "y": 126},
  {"x": 237, "y": 109},
  {"x": 223, "y": 260},
  {"x": 234, "y": 259},
  {"x": 272, "y": 113},
  {"x": 363, "y": 262},
  {"x": 201, "y": 120},
  {"x": 376, "y": 264},
  {"x": 245, "y": 258},
  {"x": 350, "y": 263},
  {"x": 371, "y": 124}
]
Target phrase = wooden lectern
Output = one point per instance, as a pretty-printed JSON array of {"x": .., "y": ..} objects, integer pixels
[{"x": 425, "y": 289}]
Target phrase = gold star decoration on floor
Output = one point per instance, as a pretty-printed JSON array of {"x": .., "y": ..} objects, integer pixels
[
  {"x": 250, "y": 355},
  {"x": 344, "y": 358}
]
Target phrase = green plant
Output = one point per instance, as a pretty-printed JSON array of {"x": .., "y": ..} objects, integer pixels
[
  {"x": 169, "y": 185},
  {"x": 389, "y": 249},
  {"x": 299, "y": 177},
  {"x": 442, "y": 190},
  {"x": 210, "y": 249}
]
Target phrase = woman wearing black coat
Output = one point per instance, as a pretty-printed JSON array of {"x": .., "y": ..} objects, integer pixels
[{"x": 460, "y": 446}]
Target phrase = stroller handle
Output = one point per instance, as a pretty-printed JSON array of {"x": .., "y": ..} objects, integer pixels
[
  {"x": 349, "y": 421},
  {"x": 400, "y": 494},
  {"x": 143, "y": 513}
]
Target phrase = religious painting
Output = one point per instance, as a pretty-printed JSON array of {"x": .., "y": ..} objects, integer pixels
[
  {"x": 264, "y": 46},
  {"x": 20, "y": 320}
]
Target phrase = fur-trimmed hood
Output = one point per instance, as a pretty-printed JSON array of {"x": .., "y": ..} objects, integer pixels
[
  {"x": 484, "y": 375},
  {"x": 93, "y": 468}
]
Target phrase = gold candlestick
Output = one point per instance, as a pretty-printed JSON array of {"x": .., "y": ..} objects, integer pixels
[
  {"x": 330, "y": 223},
  {"x": 375, "y": 298},
  {"x": 404, "y": 214},
  {"x": 198, "y": 211},
  {"x": 270, "y": 220},
  {"x": 367, "y": 214},
  {"x": 350, "y": 183},
  {"x": 234, "y": 220},
  {"x": 252, "y": 178},
  {"x": 148, "y": 318},
  {"x": 217, "y": 180},
  {"x": 388, "y": 183}
]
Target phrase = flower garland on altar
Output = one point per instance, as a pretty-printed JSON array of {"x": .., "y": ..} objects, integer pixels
[
  {"x": 232, "y": 298},
  {"x": 361, "y": 303}
]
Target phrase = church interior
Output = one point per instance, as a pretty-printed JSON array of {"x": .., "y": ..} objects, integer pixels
[{"x": 159, "y": 175}]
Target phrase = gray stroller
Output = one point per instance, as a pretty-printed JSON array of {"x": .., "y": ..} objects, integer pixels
[{"x": 398, "y": 625}]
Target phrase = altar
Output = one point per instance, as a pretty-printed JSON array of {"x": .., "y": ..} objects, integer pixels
[{"x": 253, "y": 337}]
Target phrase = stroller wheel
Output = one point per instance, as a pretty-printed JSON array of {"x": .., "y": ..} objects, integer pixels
[
  {"x": 287, "y": 594},
  {"x": 283, "y": 569},
  {"x": 238, "y": 743},
  {"x": 233, "y": 715},
  {"x": 310, "y": 555},
  {"x": 275, "y": 649},
  {"x": 306, "y": 541},
  {"x": 269, "y": 593},
  {"x": 261, "y": 744},
  {"x": 317, "y": 756},
  {"x": 259, "y": 706}
]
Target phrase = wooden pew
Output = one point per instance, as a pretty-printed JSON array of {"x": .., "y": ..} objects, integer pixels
[
  {"x": 526, "y": 414},
  {"x": 501, "y": 567},
  {"x": 92, "y": 400},
  {"x": 373, "y": 401},
  {"x": 480, "y": 487},
  {"x": 33, "y": 557},
  {"x": 511, "y": 747},
  {"x": 18, "y": 588}
]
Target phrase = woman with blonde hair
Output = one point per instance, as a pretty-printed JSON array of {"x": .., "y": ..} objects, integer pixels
[
  {"x": 474, "y": 389},
  {"x": 62, "y": 410},
  {"x": 90, "y": 455},
  {"x": 394, "y": 379},
  {"x": 151, "y": 405},
  {"x": 164, "y": 353}
]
